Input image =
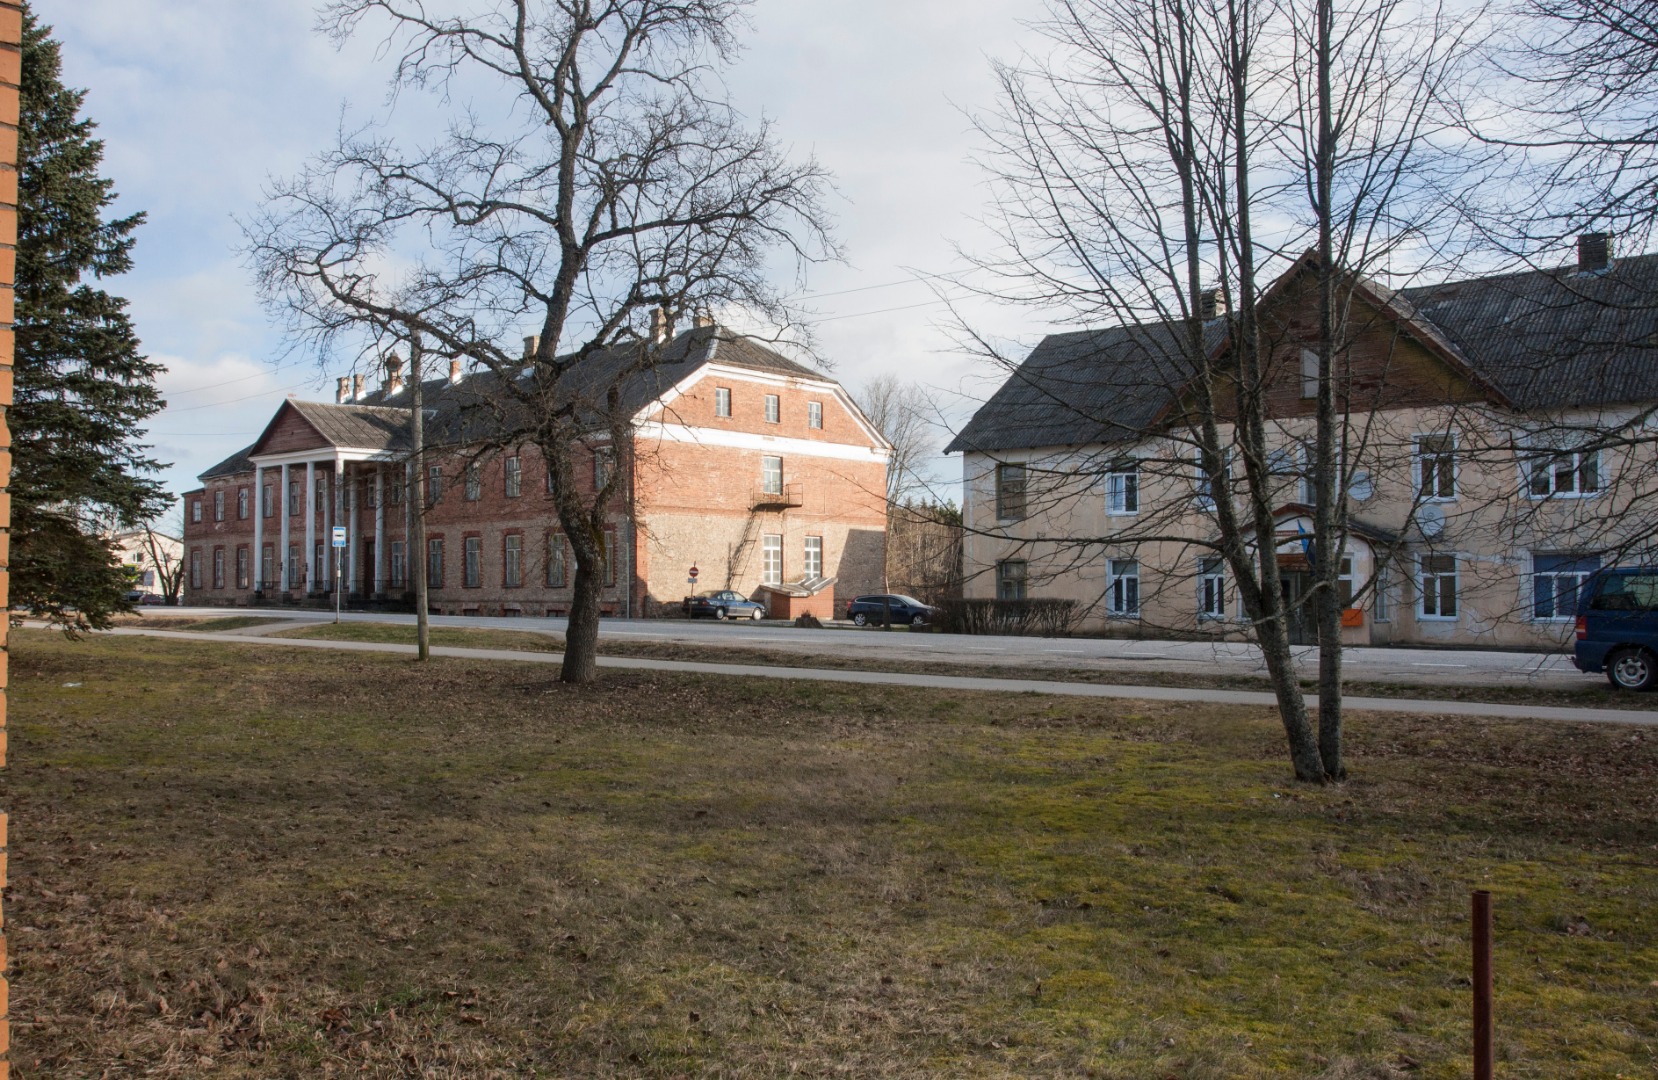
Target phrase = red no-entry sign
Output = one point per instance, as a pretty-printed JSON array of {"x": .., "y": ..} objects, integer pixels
[{"x": 694, "y": 572}]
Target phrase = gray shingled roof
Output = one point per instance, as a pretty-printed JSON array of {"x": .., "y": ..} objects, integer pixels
[
  {"x": 470, "y": 411},
  {"x": 1544, "y": 338}
]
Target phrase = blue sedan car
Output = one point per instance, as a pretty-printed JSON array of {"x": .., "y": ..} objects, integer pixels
[{"x": 724, "y": 604}]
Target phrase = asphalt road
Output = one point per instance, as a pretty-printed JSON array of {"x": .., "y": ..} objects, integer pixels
[{"x": 1425, "y": 667}]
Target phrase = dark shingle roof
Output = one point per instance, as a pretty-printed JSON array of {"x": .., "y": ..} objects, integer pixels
[
  {"x": 1086, "y": 386},
  {"x": 239, "y": 462},
  {"x": 1543, "y": 338}
]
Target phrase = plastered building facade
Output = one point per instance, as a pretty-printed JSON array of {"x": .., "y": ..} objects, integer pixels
[{"x": 1496, "y": 452}]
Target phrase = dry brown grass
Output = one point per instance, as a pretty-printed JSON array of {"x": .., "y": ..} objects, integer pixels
[{"x": 234, "y": 861}]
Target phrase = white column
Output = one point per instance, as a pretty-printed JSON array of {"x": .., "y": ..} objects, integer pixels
[
  {"x": 287, "y": 574},
  {"x": 336, "y": 512},
  {"x": 258, "y": 525},
  {"x": 353, "y": 512},
  {"x": 310, "y": 551},
  {"x": 379, "y": 529}
]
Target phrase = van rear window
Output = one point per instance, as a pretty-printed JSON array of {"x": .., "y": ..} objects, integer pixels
[{"x": 1627, "y": 592}]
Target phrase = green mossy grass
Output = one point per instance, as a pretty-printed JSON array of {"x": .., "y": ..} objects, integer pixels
[{"x": 235, "y": 861}]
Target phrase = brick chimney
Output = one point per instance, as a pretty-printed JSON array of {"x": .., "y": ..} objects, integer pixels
[
  {"x": 1594, "y": 252},
  {"x": 356, "y": 388},
  {"x": 342, "y": 390},
  {"x": 659, "y": 325},
  {"x": 703, "y": 320},
  {"x": 532, "y": 345},
  {"x": 394, "y": 375},
  {"x": 454, "y": 371},
  {"x": 1210, "y": 304}
]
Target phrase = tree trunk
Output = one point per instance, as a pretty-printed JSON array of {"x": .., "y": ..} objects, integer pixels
[{"x": 581, "y": 632}]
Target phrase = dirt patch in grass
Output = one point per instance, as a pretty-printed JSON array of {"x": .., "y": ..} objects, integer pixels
[
  {"x": 235, "y": 861},
  {"x": 1592, "y": 695},
  {"x": 451, "y": 636},
  {"x": 196, "y": 623}
]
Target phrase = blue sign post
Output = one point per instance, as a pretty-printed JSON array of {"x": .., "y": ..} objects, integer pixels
[{"x": 339, "y": 557}]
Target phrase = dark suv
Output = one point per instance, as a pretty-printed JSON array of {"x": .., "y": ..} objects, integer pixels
[
  {"x": 1617, "y": 627},
  {"x": 904, "y": 610}
]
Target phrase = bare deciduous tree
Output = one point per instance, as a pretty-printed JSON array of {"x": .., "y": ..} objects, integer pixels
[
  {"x": 1158, "y": 172},
  {"x": 607, "y": 181}
]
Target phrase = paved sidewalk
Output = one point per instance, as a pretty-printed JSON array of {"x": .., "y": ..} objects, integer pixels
[{"x": 951, "y": 682}]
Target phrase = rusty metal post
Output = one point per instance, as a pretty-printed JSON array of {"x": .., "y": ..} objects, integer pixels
[{"x": 1482, "y": 985}]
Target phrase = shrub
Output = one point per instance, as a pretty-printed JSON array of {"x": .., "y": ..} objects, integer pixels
[{"x": 1032, "y": 618}]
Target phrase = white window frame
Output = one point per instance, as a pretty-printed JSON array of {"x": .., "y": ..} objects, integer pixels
[
  {"x": 293, "y": 498},
  {"x": 1381, "y": 603},
  {"x": 771, "y": 559},
  {"x": 722, "y": 402},
  {"x": 1122, "y": 488},
  {"x": 195, "y": 568},
  {"x": 1551, "y": 458},
  {"x": 774, "y": 409},
  {"x": 1004, "y": 470},
  {"x": 218, "y": 568},
  {"x": 1418, "y": 459},
  {"x": 434, "y": 566},
  {"x": 1007, "y": 576},
  {"x": 512, "y": 560},
  {"x": 218, "y": 506},
  {"x": 558, "y": 562},
  {"x": 1422, "y": 576},
  {"x": 1203, "y": 494},
  {"x": 513, "y": 474},
  {"x": 474, "y": 482},
  {"x": 1211, "y": 588},
  {"x": 1579, "y": 576},
  {"x": 771, "y": 474},
  {"x": 1119, "y": 574},
  {"x": 812, "y": 557},
  {"x": 242, "y": 504},
  {"x": 814, "y": 415},
  {"x": 472, "y": 562},
  {"x": 399, "y": 565},
  {"x": 195, "y": 511}
]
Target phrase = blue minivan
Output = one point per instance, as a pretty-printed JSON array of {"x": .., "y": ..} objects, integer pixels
[{"x": 1617, "y": 627}]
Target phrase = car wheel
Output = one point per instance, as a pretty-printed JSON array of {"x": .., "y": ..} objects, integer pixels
[
  {"x": 860, "y": 619},
  {"x": 918, "y": 619},
  {"x": 1632, "y": 669},
  {"x": 719, "y": 613},
  {"x": 756, "y": 615}
]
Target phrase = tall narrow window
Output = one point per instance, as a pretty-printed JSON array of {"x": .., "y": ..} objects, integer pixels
[
  {"x": 321, "y": 553},
  {"x": 394, "y": 492},
  {"x": 812, "y": 564},
  {"x": 603, "y": 460},
  {"x": 1205, "y": 484},
  {"x": 474, "y": 482},
  {"x": 267, "y": 500},
  {"x": 1309, "y": 373},
  {"x": 1436, "y": 473},
  {"x": 722, "y": 401},
  {"x": 512, "y": 554},
  {"x": 1211, "y": 587},
  {"x": 434, "y": 564},
  {"x": 293, "y": 498},
  {"x": 814, "y": 414},
  {"x": 1438, "y": 586},
  {"x": 399, "y": 568},
  {"x": 241, "y": 504},
  {"x": 515, "y": 477},
  {"x": 434, "y": 484},
  {"x": 774, "y": 409},
  {"x": 557, "y": 563},
  {"x": 472, "y": 566},
  {"x": 321, "y": 494},
  {"x": 771, "y": 475},
  {"x": 1010, "y": 579},
  {"x": 1010, "y": 492},
  {"x": 219, "y": 568},
  {"x": 371, "y": 496},
  {"x": 242, "y": 568},
  {"x": 296, "y": 572},
  {"x": 195, "y": 511},
  {"x": 611, "y": 557},
  {"x": 1122, "y": 488},
  {"x": 1123, "y": 593},
  {"x": 267, "y": 567},
  {"x": 218, "y": 506},
  {"x": 1556, "y": 579},
  {"x": 195, "y": 568},
  {"x": 771, "y": 560}
]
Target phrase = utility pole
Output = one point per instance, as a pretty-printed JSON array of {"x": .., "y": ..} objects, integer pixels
[{"x": 417, "y": 500}]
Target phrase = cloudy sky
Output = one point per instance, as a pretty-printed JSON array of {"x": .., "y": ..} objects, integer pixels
[{"x": 201, "y": 102}]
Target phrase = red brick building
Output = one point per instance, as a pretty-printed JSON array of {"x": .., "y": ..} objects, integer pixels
[{"x": 760, "y": 472}]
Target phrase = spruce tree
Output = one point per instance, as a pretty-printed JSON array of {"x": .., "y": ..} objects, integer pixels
[{"x": 82, "y": 387}]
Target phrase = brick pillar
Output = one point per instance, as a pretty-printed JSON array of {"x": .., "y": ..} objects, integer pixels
[{"x": 11, "y": 64}]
